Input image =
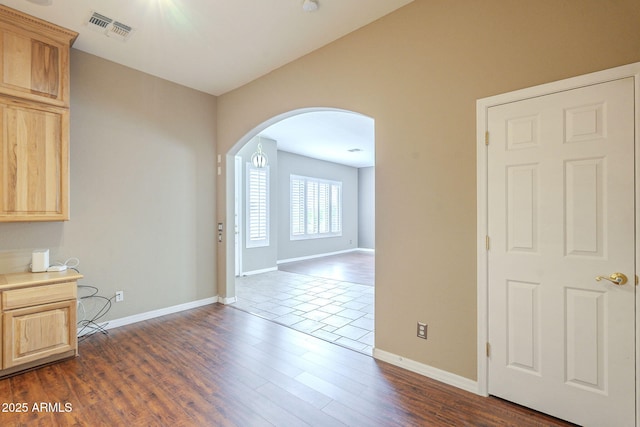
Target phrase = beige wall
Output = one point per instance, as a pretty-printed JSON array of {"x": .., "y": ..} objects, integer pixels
[
  {"x": 418, "y": 73},
  {"x": 142, "y": 190}
]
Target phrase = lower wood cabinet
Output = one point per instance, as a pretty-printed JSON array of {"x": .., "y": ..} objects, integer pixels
[
  {"x": 37, "y": 332},
  {"x": 37, "y": 319}
]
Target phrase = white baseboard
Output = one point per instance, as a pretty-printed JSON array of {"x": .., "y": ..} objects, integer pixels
[
  {"x": 111, "y": 324},
  {"x": 428, "y": 371},
  {"x": 227, "y": 301},
  {"x": 264, "y": 270},
  {"x": 303, "y": 258}
]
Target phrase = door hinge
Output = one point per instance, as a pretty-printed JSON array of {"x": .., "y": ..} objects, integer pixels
[
  {"x": 487, "y": 242},
  {"x": 488, "y": 350},
  {"x": 486, "y": 138}
]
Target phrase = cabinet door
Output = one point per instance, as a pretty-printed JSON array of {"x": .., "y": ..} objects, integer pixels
[
  {"x": 33, "y": 67},
  {"x": 33, "y": 162},
  {"x": 37, "y": 332}
]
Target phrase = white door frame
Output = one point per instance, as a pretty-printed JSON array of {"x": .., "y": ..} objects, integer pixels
[
  {"x": 238, "y": 224},
  {"x": 482, "y": 107}
]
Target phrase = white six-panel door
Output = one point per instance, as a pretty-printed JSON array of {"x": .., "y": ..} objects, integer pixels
[{"x": 561, "y": 212}]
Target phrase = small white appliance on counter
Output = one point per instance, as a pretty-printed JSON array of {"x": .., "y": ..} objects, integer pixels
[{"x": 39, "y": 260}]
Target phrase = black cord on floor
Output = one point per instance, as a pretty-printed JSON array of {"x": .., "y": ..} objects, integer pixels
[{"x": 91, "y": 325}]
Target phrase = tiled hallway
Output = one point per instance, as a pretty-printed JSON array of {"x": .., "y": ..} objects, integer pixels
[{"x": 334, "y": 310}]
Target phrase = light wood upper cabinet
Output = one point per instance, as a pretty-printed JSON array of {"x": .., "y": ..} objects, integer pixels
[
  {"x": 34, "y": 118},
  {"x": 34, "y": 167},
  {"x": 34, "y": 63}
]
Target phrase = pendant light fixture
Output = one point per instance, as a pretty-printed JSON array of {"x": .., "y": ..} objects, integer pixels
[{"x": 259, "y": 158}]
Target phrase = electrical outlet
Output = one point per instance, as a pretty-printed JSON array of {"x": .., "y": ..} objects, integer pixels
[
  {"x": 119, "y": 296},
  {"x": 422, "y": 330}
]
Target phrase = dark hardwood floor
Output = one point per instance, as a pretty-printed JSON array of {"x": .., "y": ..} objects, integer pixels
[
  {"x": 217, "y": 366},
  {"x": 355, "y": 267}
]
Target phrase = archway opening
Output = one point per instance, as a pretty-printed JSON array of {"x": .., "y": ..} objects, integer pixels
[{"x": 303, "y": 254}]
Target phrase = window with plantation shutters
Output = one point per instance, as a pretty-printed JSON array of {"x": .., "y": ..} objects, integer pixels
[
  {"x": 316, "y": 207},
  {"x": 257, "y": 206},
  {"x": 336, "y": 208},
  {"x": 297, "y": 207}
]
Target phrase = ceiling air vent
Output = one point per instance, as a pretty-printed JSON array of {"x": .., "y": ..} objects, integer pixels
[
  {"x": 99, "y": 22},
  {"x": 109, "y": 27},
  {"x": 120, "y": 31}
]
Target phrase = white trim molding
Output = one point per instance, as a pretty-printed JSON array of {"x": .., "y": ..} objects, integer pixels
[
  {"x": 135, "y": 318},
  {"x": 254, "y": 272},
  {"x": 227, "y": 301},
  {"x": 482, "y": 107},
  {"x": 427, "y": 371},
  {"x": 304, "y": 258}
]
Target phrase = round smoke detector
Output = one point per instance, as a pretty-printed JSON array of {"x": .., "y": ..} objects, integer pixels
[{"x": 310, "y": 5}]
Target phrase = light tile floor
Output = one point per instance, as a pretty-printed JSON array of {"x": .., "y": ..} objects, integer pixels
[{"x": 336, "y": 311}]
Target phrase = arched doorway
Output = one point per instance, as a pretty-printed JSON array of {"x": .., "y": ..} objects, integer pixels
[{"x": 328, "y": 155}]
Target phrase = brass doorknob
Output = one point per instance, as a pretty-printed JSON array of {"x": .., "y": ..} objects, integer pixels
[{"x": 616, "y": 278}]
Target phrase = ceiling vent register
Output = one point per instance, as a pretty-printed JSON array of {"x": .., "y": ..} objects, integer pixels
[{"x": 109, "y": 27}]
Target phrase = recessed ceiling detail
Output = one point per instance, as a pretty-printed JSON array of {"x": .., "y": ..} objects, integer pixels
[{"x": 109, "y": 27}]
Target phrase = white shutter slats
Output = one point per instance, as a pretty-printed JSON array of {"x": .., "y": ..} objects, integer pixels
[
  {"x": 316, "y": 207},
  {"x": 324, "y": 208},
  {"x": 336, "y": 208},
  {"x": 257, "y": 206},
  {"x": 297, "y": 207},
  {"x": 312, "y": 207}
]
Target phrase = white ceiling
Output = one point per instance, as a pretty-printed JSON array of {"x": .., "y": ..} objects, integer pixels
[
  {"x": 327, "y": 135},
  {"x": 215, "y": 46},
  {"x": 210, "y": 45}
]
